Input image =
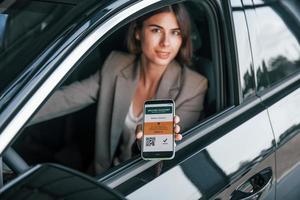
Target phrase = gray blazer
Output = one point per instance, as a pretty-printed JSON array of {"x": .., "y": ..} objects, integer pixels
[{"x": 113, "y": 88}]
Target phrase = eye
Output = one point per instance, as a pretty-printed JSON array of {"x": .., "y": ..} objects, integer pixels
[
  {"x": 155, "y": 30},
  {"x": 177, "y": 33}
]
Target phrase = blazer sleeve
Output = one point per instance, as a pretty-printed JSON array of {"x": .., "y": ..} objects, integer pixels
[
  {"x": 69, "y": 99},
  {"x": 82, "y": 93},
  {"x": 190, "y": 109}
]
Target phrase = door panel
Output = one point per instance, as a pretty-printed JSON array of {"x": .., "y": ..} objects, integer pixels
[
  {"x": 217, "y": 169},
  {"x": 285, "y": 118},
  {"x": 274, "y": 35},
  {"x": 231, "y": 151}
]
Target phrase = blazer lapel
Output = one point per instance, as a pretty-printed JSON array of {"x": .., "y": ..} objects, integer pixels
[
  {"x": 170, "y": 83},
  {"x": 125, "y": 87}
]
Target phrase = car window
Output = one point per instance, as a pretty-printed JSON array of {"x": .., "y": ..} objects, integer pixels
[
  {"x": 26, "y": 28},
  {"x": 278, "y": 35},
  {"x": 244, "y": 52},
  {"x": 68, "y": 138}
]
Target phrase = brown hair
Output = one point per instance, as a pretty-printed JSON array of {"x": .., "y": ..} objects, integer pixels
[{"x": 185, "y": 52}]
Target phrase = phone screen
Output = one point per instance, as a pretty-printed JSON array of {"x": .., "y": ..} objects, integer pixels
[{"x": 158, "y": 128}]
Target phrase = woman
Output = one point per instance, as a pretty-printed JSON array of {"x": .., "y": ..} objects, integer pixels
[{"x": 160, "y": 49}]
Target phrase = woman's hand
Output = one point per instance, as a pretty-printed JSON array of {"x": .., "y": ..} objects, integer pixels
[{"x": 178, "y": 136}]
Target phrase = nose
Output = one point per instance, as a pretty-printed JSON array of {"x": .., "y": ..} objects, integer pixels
[{"x": 165, "y": 40}]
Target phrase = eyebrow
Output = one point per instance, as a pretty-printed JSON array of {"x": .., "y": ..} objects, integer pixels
[{"x": 155, "y": 25}]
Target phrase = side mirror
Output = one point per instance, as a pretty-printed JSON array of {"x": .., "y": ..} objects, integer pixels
[{"x": 50, "y": 181}]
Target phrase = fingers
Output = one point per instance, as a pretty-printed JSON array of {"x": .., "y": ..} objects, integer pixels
[
  {"x": 138, "y": 132},
  {"x": 139, "y": 135},
  {"x": 176, "y": 119},
  {"x": 178, "y": 137},
  {"x": 177, "y": 128}
]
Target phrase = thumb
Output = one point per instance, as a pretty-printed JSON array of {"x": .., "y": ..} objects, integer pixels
[{"x": 138, "y": 132}]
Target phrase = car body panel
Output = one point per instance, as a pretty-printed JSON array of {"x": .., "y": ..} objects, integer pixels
[
  {"x": 285, "y": 117},
  {"x": 218, "y": 167},
  {"x": 276, "y": 53}
]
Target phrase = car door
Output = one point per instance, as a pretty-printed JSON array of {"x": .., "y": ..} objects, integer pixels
[
  {"x": 275, "y": 38},
  {"x": 229, "y": 155}
]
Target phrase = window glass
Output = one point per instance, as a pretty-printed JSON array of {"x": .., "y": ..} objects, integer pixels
[
  {"x": 26, "y": 27},
  {"x": 278, "y": 35},
  {"x": 243, "y": 51}
]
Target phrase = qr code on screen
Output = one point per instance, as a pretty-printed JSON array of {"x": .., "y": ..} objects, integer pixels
[{"x": 150, "y": 141}]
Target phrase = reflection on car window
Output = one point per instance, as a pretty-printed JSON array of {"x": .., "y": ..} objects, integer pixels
[
  {"x": 26, "y": 27},
  {"x": 279, "y": 38}
]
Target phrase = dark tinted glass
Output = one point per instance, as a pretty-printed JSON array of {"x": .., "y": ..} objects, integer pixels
[
  {"x": 26, "y": 27},
  {"x": 279, "y": 36},
  {"x": 244, "y": 51}
]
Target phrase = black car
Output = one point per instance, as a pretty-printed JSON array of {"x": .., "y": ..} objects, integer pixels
[{"x": 246, "y": 147}]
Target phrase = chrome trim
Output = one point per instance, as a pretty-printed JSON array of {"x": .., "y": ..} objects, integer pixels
[{"x": 37, "y": 98}]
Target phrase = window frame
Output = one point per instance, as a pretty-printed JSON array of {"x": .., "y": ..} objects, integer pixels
[
  {"x": 127, "y": 170},
  {"x": 115, "y": 176}
]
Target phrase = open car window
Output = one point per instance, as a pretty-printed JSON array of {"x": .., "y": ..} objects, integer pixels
[{"x": 69, "y": 138}]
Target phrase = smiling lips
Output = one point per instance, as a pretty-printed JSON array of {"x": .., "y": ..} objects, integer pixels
[{"x": 163, "y": 54}]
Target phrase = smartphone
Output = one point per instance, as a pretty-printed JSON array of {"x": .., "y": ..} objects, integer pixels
[{"x": 158, "y": 130}]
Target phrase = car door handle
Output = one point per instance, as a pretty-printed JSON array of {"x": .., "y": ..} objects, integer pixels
[{"x": 254, "y": 187}]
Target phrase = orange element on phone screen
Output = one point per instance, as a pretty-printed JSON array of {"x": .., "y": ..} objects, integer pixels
[{"x": 152, "y": 128}]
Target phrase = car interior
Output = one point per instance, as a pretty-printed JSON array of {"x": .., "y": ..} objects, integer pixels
[{"x": 65, "y": 139}]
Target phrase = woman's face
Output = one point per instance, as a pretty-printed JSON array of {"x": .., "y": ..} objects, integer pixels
[{"x": 160, "y": 38}]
